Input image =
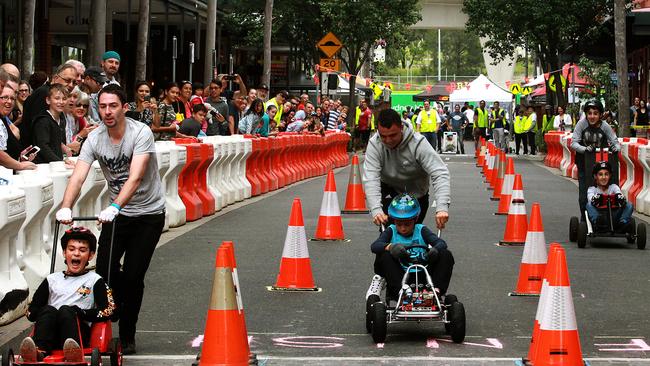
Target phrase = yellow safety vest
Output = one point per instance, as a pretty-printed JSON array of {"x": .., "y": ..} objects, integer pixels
[
  {"x": 278, "y": 114},
  {"x": 482, "y": 118},
  {"x": 520, "y": 124},
  {"x": 529, "y": 124},
  {"x": 428, "y": 124},
  {"x": 372, "y": 119},
  {"x": 495, "y": 114}
]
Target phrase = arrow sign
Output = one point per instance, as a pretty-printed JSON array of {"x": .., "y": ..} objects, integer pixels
[
  {"x": 515, "y": 89},
  {"x": 329, "y": 44}
]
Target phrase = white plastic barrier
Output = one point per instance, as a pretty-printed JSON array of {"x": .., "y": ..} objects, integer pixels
[
  {"x": 566, "y": 155},
  {"x": 162, "y": 158},
  {"x": 14, "y": 291},
  {"x": 248, "y": 150},
  {"x": 173, "y": 203},
  {"x": 87, "y": 201},
  {"x": 218, "y": 172},
  {"x": 30, "y": 247},
  {"x": 224, "y": 172},
  {"x": 641, "y": 199},
  {"x": 235, "y": 179},
  {"x": 630, "y": 166},
  {"x": 211, "y": 174}
]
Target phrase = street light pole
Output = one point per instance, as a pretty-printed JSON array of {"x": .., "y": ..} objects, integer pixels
[{"x": 439, "y": 56}]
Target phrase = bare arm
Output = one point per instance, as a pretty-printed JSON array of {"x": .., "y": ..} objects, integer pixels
[
  {"x": 77, "y": 179},
  {"x": 9, "y": 163},
  {"x": 136, "y": 173}
]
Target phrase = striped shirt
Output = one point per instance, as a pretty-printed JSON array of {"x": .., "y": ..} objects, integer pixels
[{"x": 332, "y": 122}]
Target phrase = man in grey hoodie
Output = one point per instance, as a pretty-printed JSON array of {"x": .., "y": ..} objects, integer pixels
[
  {"x": 397, "y": 162},
  {"x": 400, "y": 161}
]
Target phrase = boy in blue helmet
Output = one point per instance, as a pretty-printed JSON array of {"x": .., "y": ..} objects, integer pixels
[
  {"x": 601, "y": 192},
  {"x": 392, "y": 254}
]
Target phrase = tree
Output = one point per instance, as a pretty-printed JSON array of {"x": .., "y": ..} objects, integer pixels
[
  {"x": 461, "y": 53},
  {"x": 29, "y": 10},
  {"x": 600, "y": 80},
  {"x": 268, "y": 24},
  {"x": 548, "y": 27},
  {"x": 97, "y": 31},
  {"x": 143, "y": 41},
  {"x": 621, "y": 67}
]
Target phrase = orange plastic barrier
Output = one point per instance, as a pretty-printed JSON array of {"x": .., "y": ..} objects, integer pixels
[
  {"x": 201, "y": 180},
  {"x": 186, "y": 181}
]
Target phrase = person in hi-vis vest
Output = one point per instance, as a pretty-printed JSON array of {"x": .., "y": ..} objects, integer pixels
[
  {"x": 498, "y": 125},
  {"x": 531, "y": 128},
  {"x": 520, "y": 130},
  {"x": 427, "y": 123},
  {"x": 480, "y": 123}
]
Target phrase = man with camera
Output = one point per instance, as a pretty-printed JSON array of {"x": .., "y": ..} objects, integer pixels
[{"x": 218, "y": 108}]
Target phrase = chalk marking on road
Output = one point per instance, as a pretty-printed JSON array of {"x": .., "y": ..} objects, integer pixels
[
  {"x": 271, "y": 333},
  {"x": 380, "y": 345},
  {"x": 163, "y": 331},
  {"x": 298, "y": 342},
  {"x": 196, "y": 342},
  {"x": 377, "y": 359},
  {"x": 432, "y": 343},
  {"x": 494, "y": 343},
  {"x": 638, "y": 344},
  {"x": 620, "y": 337}
]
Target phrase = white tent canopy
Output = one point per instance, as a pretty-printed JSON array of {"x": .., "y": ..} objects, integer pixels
[{"x": 479, "y": 89}]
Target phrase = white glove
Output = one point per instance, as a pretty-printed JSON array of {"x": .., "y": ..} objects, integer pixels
[
  {"x": 108, "y": 214},
  {"x": 64, "y": 215}
]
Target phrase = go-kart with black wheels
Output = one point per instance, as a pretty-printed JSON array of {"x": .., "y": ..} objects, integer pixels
[
  {"x": 417, "y": 301},
  {"x": 606, "y": 227}
]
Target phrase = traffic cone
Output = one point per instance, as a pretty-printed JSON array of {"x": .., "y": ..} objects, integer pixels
[
  {"x": 488, "y": 148},
  {"x": 498, "y": 185},
  {"x": 481, "y": 153},
  {"x": 495, "y": 170},
  {"x": 330, "y": 225},
  {"x": 506, "y": 188},
  {"x": 225, "y": 340},
  {"x": 516, "y": 224},
  {"x": 355, "y": 199},
  {"x": 533, "y": 261},
  {"x": 534, "y": 340},
  {"x": 559, "y": 342},
  {"x": 295, "y": 266},
  {"x": 490, "y": 165}
]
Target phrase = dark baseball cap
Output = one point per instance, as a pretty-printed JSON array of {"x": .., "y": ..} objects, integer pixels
[
  {"x": 96, "y": 73},
  {"x": 263, "y": 86}
]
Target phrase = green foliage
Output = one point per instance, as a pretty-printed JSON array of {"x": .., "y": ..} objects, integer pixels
[
  {"x": 461, "y": 53},
  {"x": 599, "y": 76}
]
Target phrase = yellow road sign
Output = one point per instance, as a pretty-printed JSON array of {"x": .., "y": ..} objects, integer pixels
[
  {"x": 515, "y": 89},
  {"x": 551, "y": 82},
  {"x": 330, "y": 63},
  {"x": 329, "y": 44},
  {"x": 527, "y": 90}
]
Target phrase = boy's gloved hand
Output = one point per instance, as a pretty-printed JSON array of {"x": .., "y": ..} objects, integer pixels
[
  {"x": 589, "y": 148},
  {"x": 620, "y": 198},
  {"x": 432, "y": 254},
  {"x": 398, "y": 251},
  {"x": 81, "y": 313},
  {"x": 595, "y": 199}
]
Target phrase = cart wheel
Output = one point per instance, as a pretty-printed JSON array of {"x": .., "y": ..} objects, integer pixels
[
  {"x": 573, "y": 228},
  {"x": 95, "y": 358},
  {"x": 116, "y": 352},
  {"x": 8, "y": 357},
  {"x": 640, "y": 236},
  {"x": 449, "y": 299},
  {"x": 582, "y": 234},
  {"x": 371, "y": 300},
  {"x": 457, "y": 322},
  {"x": 379, "y": 326},
  {"x": 631, "y": 234}
]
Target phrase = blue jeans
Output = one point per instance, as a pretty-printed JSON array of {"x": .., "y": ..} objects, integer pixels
[
  {"x": 619, "y": 215},
  {"x": 432, "y": 138}
]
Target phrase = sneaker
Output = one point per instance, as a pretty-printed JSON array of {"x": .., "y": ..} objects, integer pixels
[
  {"x": 377, "y": 284},
  {"x": 128, "y": 347},
  {"x": 28, "y": 350},
  {"x": 72, "y": 351}
]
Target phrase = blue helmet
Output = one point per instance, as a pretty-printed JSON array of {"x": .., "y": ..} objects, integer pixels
[{"x": 404, "y": 207}]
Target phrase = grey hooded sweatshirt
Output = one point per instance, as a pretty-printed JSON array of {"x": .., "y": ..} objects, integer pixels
[{"x": 407, "y": 168}]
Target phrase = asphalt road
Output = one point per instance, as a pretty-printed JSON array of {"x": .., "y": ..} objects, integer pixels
[{"x": 610, "y": 283}]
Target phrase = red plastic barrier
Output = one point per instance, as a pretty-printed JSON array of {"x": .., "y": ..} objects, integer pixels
[
  {"x": 274, "y": 182},
  {"x": 186, "y": 181},
  {"x": 251, "y": 167},
  {"x": 202, "y": 190},
  {"x": 637, "y": 186},
  {"x": 277, "y": 161},
  {"x": 572, "y": 170},
  {"x": 263, "y": 165},
  {"x": 622, "y": 166}
]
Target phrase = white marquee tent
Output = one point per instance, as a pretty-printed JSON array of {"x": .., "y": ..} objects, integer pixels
[{"x": 479, "y": 89}]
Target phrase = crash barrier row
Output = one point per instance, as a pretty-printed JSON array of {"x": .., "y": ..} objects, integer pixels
[
  {"x": 633, "y": 168},
  {"x": 198, "y": 179}
]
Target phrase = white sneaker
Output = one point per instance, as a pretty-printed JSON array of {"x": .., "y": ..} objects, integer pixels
[{"x": 377, "y": 284}]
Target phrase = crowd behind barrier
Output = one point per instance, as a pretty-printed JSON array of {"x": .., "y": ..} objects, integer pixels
[
  {"x": 633, "y": 169},
  {"x": 198, "y": 178}
]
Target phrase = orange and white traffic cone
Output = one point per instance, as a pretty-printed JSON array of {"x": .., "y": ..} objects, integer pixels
[
  {"x": 486, "y": 161},
  {"x": 490, "y": 168},
  {"x": 495, "y": 171},
  {"x": 516, "y": 224},
  {"x": 225, "y": 340},
  {"x": 498, "y": 185},
  {"x": 355, "y": 199},
  {"x": 330, "y": 225},
  {"x": 295, "y": 266},
  {"x": 543, "y": 297},
  {"x": 481, "y": 153},
  {"x": 559, "y": 342},
  {"x": 506, "y": 188},
  {"x": 533, "y": 261}
]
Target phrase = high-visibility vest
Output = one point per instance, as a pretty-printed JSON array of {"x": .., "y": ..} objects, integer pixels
[
  {"x": 358, "y": 115},
  {"x": 428, "y": 124},
  {"x": 547, "y": 123},
  {"x": 495, "y": 114},
  {"x": 278, "y": 114},
  {"x": 481, "y": 118},
  {"x": 520, "y": 124},
  {"x": 528, "y": 123}
]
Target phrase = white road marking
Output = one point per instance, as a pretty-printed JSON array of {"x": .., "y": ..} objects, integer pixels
[{"x": 377, "y": 359}]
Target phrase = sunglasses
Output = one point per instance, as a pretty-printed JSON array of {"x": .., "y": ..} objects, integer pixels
[{"x": 83, "y": 105}]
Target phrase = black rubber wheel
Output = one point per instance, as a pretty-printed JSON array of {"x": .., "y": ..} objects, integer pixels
[
  {"x": 369, "y": 302},
  {"x": 582, "y": 235},
  {"x": 95, "y": 358},
  {"x": 116, "y": 352},
  {"x": 456, "y": 316},
  {"x": 631, "y": 233},
  {"x": 379, "y": 325},
  {"x": 449, "y": 299},
  {"x": 8, "y": 357},
  {"x": 573, "y": 228},
  {"x": 640, "y": 236}
]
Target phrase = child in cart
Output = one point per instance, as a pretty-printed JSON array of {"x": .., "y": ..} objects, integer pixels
[
  {"x": 393, "y": 256},
  {"x": 67, "y": 302},
  {"x": 602, "y": 193}
]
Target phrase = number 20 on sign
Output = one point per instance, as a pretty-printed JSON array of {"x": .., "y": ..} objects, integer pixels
[{"x": 330, "y": 63}]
